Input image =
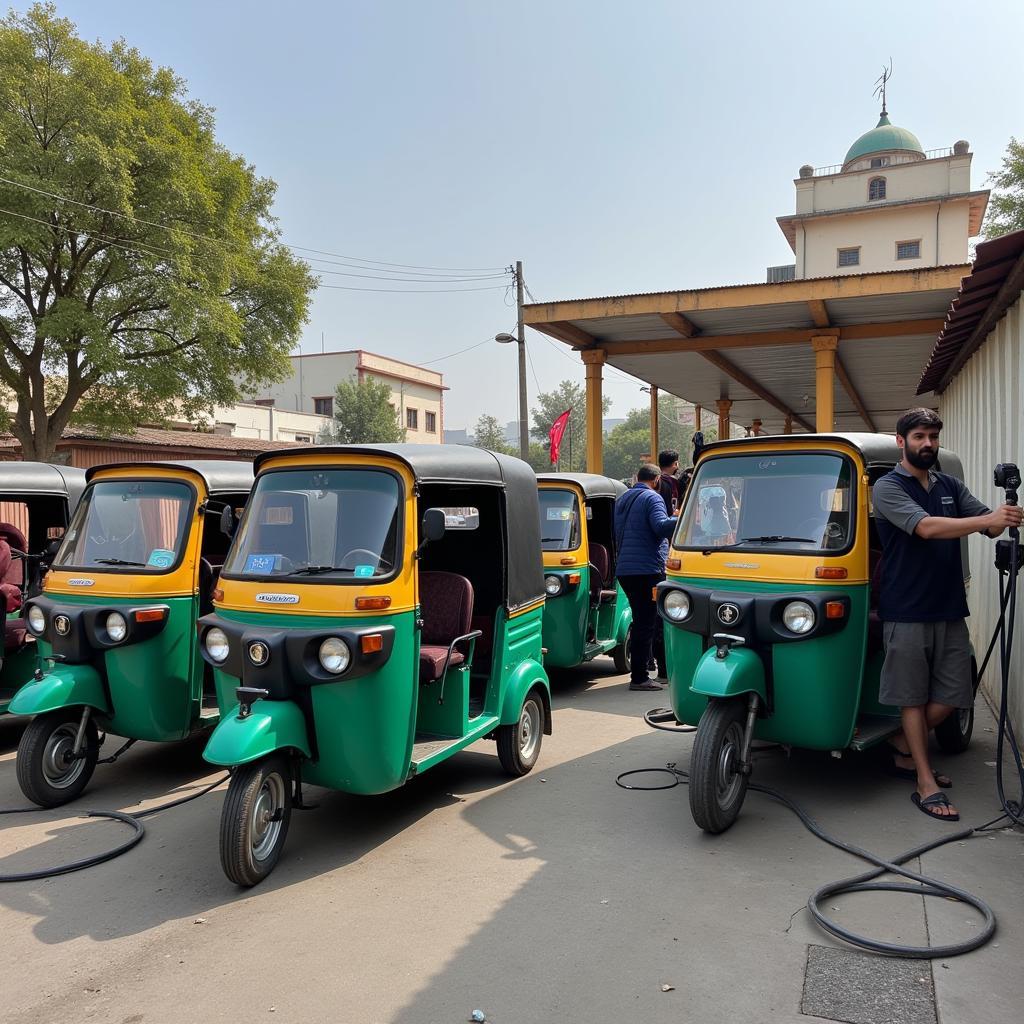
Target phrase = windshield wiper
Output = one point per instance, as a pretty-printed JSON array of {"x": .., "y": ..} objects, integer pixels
[
  {"x": 774, "y": 538},
  {"x": 316, "y": 570},
  {"x": 117, "y": 561}
]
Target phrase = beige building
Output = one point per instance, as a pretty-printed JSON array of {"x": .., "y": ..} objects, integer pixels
[
  {"x": 416, "y": 393},
  {"x": 267, "y": 422},
  {"x": 890, "y": 205}
]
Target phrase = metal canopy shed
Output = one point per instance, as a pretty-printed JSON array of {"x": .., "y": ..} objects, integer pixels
[{"x": 765, "y": 355}]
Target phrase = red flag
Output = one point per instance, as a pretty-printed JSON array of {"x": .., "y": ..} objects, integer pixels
[{"x": 556, "y": 433}]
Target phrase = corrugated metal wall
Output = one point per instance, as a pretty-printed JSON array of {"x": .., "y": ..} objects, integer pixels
[{"x": 981, "y": 411}]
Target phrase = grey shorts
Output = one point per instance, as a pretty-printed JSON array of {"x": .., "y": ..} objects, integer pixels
[{"x": 926, "y": 661}]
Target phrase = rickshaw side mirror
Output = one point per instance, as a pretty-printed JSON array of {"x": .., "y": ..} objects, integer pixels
[
  {"x": 228, "y": 521},
  {"x": 433, "y": 525}
]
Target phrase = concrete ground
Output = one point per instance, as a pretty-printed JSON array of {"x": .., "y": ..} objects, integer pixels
[{"x": 555, "y": 897}]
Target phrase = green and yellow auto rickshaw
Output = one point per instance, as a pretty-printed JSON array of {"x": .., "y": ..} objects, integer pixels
[
  {"x": 380, "y": 610},
  {"x": 115, "y": 625},
  {"x": 586, "y": 613},
  {"x": 36, "y": 502},
  {"x": 769, "y": 607}
]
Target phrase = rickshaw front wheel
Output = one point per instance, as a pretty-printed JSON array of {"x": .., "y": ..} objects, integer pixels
[
  {"x": 49, "y": 772},
  {"x": 255, "y": 818},
  {"x": 519, "y": 744},
  {"x": 717, "y": 787},
  {"x": 621, "y": 656}
]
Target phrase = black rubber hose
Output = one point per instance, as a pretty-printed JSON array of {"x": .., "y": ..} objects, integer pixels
[
  {"x": 657, "y": 718},
  {"x": 131, "y": 820}
]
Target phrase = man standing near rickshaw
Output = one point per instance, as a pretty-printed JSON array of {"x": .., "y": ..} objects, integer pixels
[
  {"x": 668, "y": 482},
  {"x": 642, "y": 529},
  {"x": 921, "y": 514}
]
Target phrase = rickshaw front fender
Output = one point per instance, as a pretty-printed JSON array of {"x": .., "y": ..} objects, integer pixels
[
  {"x": 740, "y": 671},
  {"x": 527, "y": 675},
  {"x": 625, "y": 621},
  {"x": 64, "y": 686},
  {"x": 270, "y": 726}
]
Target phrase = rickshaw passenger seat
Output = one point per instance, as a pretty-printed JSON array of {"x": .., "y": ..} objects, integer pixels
[
  {"x": 602, "y": 586},
  {"x": 15, "y": 570},
  {"x": 446, "y": 608}
]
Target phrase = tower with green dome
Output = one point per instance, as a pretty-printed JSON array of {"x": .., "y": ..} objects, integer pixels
[{"x": 890, "y": 205}]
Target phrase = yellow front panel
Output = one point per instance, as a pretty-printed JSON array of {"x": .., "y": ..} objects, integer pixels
[{"x": 325, "y": 598}]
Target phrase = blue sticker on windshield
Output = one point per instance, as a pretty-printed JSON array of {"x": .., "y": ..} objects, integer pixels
[
  {"x": 161, "y": 558},
  {"x": 260, "y": 563},
  {"x": 364, "y": 570}
]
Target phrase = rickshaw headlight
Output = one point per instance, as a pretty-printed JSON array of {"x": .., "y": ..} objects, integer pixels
[
  {"x": 116, "y": 627},
  {"x": 799, "y": 617},
  {"x": 677, "y": 605},
  {"x": 36, "y": 620},
  {"x": 552, "y": 586},
  {"x": 217, "y": 644},
  {"x": 335, "y": 655}
]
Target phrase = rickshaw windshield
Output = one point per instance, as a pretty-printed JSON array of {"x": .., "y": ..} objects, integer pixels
[
  {"x": 796, "y": 503},
  {"x": 128, "y": 526},
  {"x": 336, "y": 524},
  {"x": 559, "y": 520}
]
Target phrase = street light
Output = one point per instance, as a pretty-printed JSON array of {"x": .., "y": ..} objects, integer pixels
[{"x": 524, "y": 431}]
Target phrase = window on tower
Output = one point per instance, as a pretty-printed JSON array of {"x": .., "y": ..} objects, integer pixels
[
  {"x": 879, "y": 161},
  {"x": 876, "y": 189}
]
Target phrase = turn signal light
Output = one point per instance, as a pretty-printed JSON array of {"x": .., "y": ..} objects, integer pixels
[
  {"x": 675, "y": 564},
  {"x": 574, "y": 579},
  {"x": 218, "y": 594},
  {"x": 372, "y": 604},
  {"x": 567, "y": 561},
  {"x": 834, "y": 609},
  {"x": 371, "y": 643},
  {"x": 150, "y": 614},
  {"x": 830, "y": 572}
]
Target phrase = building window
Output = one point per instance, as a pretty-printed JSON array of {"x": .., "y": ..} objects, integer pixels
[
  {"x": 323, "y": 406},
  {"x": 876, "y": 189},
  {"x": 879, "y": 161},
  {"x": 412, "y": 419},
  {"x": 267, "y": 403},
  {"x": 305, "y": 438},
  {"x": 908, "y": 250},
  {"x": 848, "y": 257},
  {"x": 431, "y": 418}
]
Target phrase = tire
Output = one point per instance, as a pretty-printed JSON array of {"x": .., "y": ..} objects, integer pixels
[
  {"x": 254, "y": 820},
  {"x": 620, "y": 655},
  {"x": 519, "y": 744},
  {"x": 46, "y": 772},
  {"x": 716, "y": 791},
  {"x": 954, "y": 734}
]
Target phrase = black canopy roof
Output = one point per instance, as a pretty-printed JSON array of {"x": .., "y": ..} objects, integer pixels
[
  {"x": 221, "y": 476},
  {"x": 22, "y": 479},
  {"x": 462, "y": 464},
  {"x": 592, "y": 484}
]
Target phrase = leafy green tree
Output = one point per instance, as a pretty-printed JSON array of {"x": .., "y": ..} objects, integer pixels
[
  {"x": 627, "y": 444},
  {"x": 363, "y": 414},
  {"x": 488, "y": 433},
  {"x": 1006, "y": 207},
  {"x": 141, "y": 271},
  {"x": 551, "y": 405}
]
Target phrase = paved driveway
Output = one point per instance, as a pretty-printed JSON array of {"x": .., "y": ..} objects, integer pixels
[{"x": 558, "y": 897}]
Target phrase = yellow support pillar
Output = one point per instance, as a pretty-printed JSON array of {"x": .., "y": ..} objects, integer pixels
[
  {"x": 655, "y": 440},
  {"x": 724, "y": 405},
  {"x": 824, "y": 347},
  {"x": 696, "y": 417},
  {"x": 594, "y": 359}
]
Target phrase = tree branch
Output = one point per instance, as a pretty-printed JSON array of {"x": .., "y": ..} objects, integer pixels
[{"x": 154, "y": 353}]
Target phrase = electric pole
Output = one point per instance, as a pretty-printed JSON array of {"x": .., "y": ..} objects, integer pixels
[{"x": 524, "y": 427}]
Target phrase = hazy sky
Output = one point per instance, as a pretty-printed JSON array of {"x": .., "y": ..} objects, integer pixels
[{"x": 613, "y": 147}]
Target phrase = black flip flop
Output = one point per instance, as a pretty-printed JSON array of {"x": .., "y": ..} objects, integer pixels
[{"x": 935, "y": 800}]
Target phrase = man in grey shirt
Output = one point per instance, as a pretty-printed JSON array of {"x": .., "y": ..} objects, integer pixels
[{"x": 921, "y": 514}]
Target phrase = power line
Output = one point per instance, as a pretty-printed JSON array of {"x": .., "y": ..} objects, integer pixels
[
  {"x": 409, "y": 280},
  {"x": 440, "y": 359},
  {"x": 425, "y": 291},
  {"x": 222, "y": 242}
]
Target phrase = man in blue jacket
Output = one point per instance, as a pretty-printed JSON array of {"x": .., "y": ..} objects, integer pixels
[{"x": 642, "y": 529}]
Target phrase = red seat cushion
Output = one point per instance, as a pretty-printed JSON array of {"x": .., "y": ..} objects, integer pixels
[
  {"x": 446, "y": 606},
  {"x": 432, "y": 661},
  {"x": 12, "y": 570},
  {"x": 600, "y": 570}
]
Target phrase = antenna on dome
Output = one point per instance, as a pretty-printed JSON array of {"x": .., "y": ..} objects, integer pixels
[{"x": 880, "y": 84}]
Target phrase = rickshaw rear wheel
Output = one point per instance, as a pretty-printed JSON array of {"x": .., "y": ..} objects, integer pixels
[
  {"x": 620, "y": 655},
  {"x": 717, "y": 788},
  {"x": 954, "y": 734},
  {"x": 254, "y": 820},
  {"x": 519, "y": 744},
  {"x": 48, "y": 772}
]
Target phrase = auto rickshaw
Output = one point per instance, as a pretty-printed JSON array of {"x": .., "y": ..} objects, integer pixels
[
  {"x": 586, "y": 613},
  {"x": 769, "y": 607},
  {"x": 36, "y": 502},
  {"x": 380, "y": 610},
  {"x": 116, "y": 621}
]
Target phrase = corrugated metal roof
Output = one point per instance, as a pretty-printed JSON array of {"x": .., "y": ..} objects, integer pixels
[
  {"x": 170, "y": 439},
  {"x": 983, "y": 296}
]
